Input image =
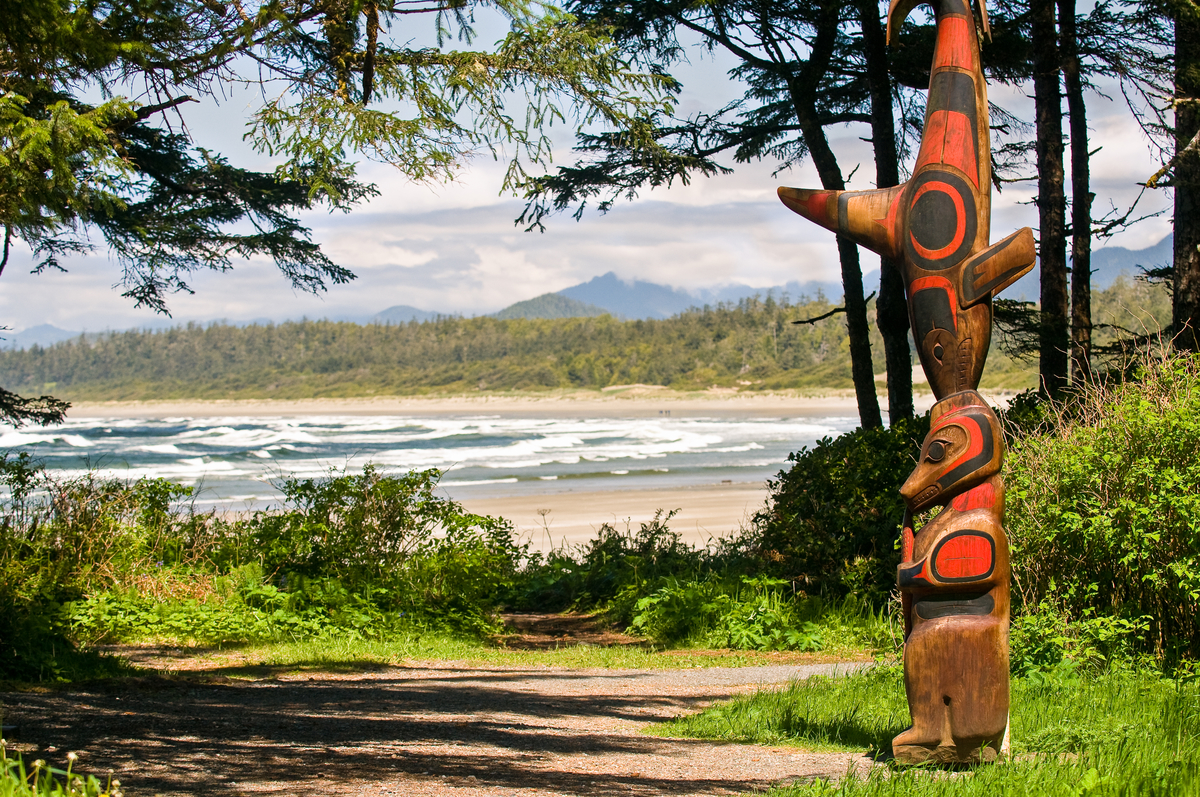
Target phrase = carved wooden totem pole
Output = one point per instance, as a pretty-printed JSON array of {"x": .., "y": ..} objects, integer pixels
[{"x": 954, "y": 578}]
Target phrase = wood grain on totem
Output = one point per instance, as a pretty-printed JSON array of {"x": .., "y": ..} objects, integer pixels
[
  {"x": 938, "y": 223},
  {"x": 954, "y": 579}
]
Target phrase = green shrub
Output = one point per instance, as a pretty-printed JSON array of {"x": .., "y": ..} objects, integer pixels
[
  {"x": 833, "y": 519},
  {"x": 614, "y": 570},
  {"x": 361, "y": 556},
  {"x": 1104, "y": 516},
  {"x": 756, "y": 613},
  {"x": 60, "y": 539},
  {"x": 753, "y": 615}
]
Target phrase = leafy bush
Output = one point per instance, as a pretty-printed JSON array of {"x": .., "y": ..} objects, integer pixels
[
  {"x": 421, "y": 553},
  {"x": 754, "y": 615},
  {"x": 614, "y": 570},
  {"x": 1104, "y": 515},
  {"x": 833, "y": 518},
  {"x": 362, "y": 556},
  {"x": 60, "y": 539}
]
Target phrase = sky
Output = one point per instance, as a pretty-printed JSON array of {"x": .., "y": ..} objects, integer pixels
[{"x": 454, "y": 248}]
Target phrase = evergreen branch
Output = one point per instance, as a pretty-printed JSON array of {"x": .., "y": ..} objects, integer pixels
[
  {"x": 43, "y": 410},
  {"x": 830, "y": 314}
]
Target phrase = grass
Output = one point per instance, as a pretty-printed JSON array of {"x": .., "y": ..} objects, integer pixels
[
  {"x": 260, "y": 660},
  {"x": 39, "y": 780},
  {"x": 858, "y": 712},
  {"x": 1119, "y": 733},
  {"x": 339, "y": 654}
]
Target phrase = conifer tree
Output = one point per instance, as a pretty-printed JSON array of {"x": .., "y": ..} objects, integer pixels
[
  {"x": 339, "y": 81},
  {"x": 805, "y": 69}
]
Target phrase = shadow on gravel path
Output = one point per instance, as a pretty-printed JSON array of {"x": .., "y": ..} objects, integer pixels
[{"x": 437, "y": 731}]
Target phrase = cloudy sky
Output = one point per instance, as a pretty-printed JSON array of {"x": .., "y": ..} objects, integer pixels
[{"x": 454, "y": 248}]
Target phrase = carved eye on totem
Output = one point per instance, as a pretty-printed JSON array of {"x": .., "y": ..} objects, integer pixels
[
  {"x": 939, "y": 352},
  {"x": 937, "y": 450}
]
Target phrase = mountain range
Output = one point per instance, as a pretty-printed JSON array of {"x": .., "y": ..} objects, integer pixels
[{"x": 639, "y": 299}]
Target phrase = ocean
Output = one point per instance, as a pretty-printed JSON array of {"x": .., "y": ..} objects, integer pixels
[{"x": 236, "y": 462}]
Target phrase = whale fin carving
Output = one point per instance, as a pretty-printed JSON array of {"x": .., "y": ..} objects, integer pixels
[{"x": 866, "y": 217}]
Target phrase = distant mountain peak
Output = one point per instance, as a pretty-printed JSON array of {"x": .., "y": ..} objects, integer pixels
[
  {"x": 41, "y": 335},
  {"x": 550, "y": 305},
  {"x": 402, "y": 314},
  {"x": 640, "y": 299}
]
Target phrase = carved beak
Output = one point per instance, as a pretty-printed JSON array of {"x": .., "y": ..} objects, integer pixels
[{"x": 916, "y": 498}]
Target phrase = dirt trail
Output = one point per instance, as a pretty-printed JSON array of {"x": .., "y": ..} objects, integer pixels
[{"x": 415, "y": 730}]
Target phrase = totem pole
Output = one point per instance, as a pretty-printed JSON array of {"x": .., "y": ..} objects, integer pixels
[{"x": 954, "y": 575}]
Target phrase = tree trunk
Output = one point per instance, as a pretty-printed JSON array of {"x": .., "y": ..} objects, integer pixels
[
  {"x": 830, "y": 173},
  {"x": 1054, "y": 333},
  {"x": 1186, "y": 299},
  {"x": 891, "y": 309},
  {"x": 1081, "y": 199}
]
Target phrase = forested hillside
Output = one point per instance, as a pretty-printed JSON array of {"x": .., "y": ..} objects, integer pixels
[{"x": 751, "y": 344}]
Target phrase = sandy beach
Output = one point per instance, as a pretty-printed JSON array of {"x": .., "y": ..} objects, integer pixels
[
  {"x": 552, "y": 520},
  {"x": 621, "y": 402}
]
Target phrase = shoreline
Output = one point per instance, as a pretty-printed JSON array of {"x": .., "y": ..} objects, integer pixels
[
  {"x": 634, "y": 401},
  {"x": 551, "y": 520}
]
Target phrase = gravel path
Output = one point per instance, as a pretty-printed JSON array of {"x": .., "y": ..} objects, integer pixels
[{"x": 420, "y": 730}]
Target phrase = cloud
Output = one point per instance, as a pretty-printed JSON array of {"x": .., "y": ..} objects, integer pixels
[{"x": 454, "y": 248}]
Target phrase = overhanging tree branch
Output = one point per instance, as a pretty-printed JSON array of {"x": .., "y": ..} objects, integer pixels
[
  {"x": 831, "y": 313},
  {"x": 43, "y": 410}
]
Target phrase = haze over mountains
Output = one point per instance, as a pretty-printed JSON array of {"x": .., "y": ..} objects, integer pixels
[{"x": 639, "y": 299}]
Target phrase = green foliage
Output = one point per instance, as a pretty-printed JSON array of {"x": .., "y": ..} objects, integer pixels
[
  {"x": 363, "y": 556},
  {"x": 360, "y": 557},
  {"x": 750, "y": 346},
  {"x": 833, "y": 519},
  {"x": 1120, "y": 732},
  {"x": 756, "y": 616},
  {"x": 1104, "y": 511},
  {"x": 656, "y": 586},
  {"x": 750, "y": 614},
  {"x": 40, "y": 780},
  {"x": 168, "y": 207},
  {"x": 613, "y": 570},
  {"x": 1044, "y": 639},
  {"x": 58, "y": 539},
  {"x": 368, "y": 527}
]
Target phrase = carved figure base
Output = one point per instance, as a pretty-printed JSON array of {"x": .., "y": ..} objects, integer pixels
[
  {"x": 959, "y": 703},
  {"x": 985, "y": 753}
]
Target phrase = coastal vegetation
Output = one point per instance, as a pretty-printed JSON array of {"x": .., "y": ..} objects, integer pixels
[
  {"x": 1102, "y": 515},
  {"x": 751, "y": 346}
]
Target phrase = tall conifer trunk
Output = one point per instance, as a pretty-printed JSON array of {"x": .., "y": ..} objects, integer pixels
[
  {"x": 891, "y": 309},
  {"x": 802, "y": 88},
  {"x": 1052, "y": 204},
  {"x": 861, "y": 369},
  {"x": 1081, "y": 198},
  {"x": 1186, "y": 179}
]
